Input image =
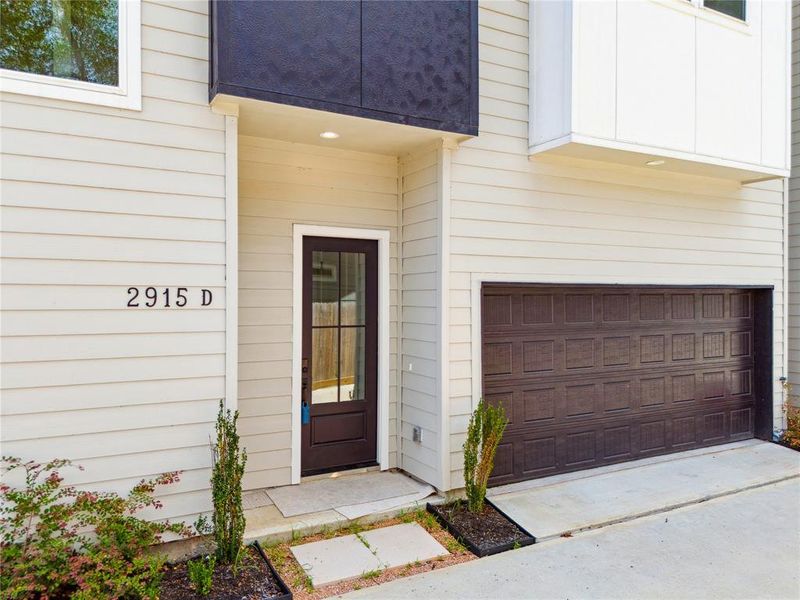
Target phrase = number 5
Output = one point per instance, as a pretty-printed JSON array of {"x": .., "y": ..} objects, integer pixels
[{"x": 181, "y": 297}]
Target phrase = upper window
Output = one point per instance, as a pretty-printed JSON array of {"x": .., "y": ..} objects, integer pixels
[
  {"x": 733, "y": 8},
  {"x": 80, "y": 50}
]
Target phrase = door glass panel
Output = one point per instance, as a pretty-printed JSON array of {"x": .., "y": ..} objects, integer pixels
[
  {"x": 351, "y": 364},
  {"x": 338, "y": 324},
  {"x": 324, "y": 288},
  {"x": 354, "y": 285},
  {"x": 324, "y": 368}
]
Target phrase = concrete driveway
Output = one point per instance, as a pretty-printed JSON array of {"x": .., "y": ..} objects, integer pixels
[
  {"x": 552, "y": 506},
  {"x": 741, "y": 543}
]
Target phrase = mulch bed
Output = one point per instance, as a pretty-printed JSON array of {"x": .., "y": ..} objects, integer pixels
[
  {"x": 788, "y": 445},
  {"x": 484, "y": 533},
  {"x": 252, "y": 581}
]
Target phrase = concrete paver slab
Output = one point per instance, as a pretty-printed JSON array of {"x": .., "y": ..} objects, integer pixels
[
  {"x": 610, "y": 497},
  {"x": 404, "y": 544},
  {"x": 745, "y": 545},
  {"x": 334, "y": 560}
]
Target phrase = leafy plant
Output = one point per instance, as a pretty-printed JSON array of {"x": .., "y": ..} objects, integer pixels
[
  {"x": 790, "y": 436},
  {"x": 201, "y": 572},
  {"x": 226, "y": 489},
  {"x": 485, "y": 430},
  {"x": 59, "y": 541}
]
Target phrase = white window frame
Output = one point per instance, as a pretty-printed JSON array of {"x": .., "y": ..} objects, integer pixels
[
  {"x": 128, "y": 94},
  {"x": 701, "y": 4}
]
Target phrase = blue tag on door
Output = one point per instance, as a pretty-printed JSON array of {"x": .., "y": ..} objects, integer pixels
[{"x": 306, "y": 414}]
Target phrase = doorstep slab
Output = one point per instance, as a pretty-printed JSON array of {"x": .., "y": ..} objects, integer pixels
[
  {"x": 594, "y": 501},
  {"x": 335, "y": 560},
  {"x": 404, "y": 544}
]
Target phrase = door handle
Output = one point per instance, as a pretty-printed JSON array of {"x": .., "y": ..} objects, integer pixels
[
  {"x": 305, "y": 413},
  {"x": 304, "y": 380}
]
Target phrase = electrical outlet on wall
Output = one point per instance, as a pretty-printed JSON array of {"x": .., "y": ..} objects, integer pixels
[{"x": 416, "y": 434}]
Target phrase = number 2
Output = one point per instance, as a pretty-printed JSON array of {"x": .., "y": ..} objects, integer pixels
[{"x": 133, "y": 293}]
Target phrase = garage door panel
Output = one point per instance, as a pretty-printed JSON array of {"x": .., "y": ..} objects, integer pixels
[
  {"x": 594, "y": 376},
  {"x": 533, "y": 453},
  {"x": 589, "y": 413},
  {"x": 532, "y": 401},
  {"x": 505, "y": 309},
  {"x": 531, "y": 355}
]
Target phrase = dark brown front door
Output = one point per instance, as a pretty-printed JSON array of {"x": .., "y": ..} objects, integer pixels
[
  {"x": 596, "y": 375},
  {"x": 340, "y": 353}
]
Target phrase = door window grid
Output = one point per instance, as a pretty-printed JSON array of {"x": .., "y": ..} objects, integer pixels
[{"x": 338, "y": 326}]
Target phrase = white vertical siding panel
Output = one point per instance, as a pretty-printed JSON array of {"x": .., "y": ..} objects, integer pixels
[
  {"x": 280, "y": 184},
  {"x": 96, "y": 199}
]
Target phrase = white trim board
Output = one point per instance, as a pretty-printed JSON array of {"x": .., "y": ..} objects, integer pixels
[
  {"x": 299, "y": 231},
  {"x": 478, "y": 279},
  {"x": 231, "y": 262},
  {"x": 444, "y": 166}
]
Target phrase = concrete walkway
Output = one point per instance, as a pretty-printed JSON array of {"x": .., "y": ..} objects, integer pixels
[
  {"x": 742, "y": 545},
  {"x": 603, "y": 496}
]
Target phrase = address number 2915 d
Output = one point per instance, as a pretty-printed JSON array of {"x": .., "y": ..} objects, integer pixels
[{"x": 165, "y": 297}]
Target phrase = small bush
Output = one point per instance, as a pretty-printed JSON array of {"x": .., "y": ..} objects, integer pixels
[
  {"x": 201, "y": 572},
  {"x": 58, "y": 541},
  {"x": 226, "y": 489},
  {"x": 486, "y": 427},
  {"x": 790, "y": 436}
]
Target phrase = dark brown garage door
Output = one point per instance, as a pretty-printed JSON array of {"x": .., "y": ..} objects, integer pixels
[{"x": 597, "y": 375}]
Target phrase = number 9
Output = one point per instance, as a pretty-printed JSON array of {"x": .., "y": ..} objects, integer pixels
[{"x": 151, "y": 294}]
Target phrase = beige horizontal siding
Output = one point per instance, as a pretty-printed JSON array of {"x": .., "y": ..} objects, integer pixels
[
  {"x": 570, "y": 220},
  {"x": 794, "y": 211},
  {"x": 94, "y": 200},
  {"x": 421, "y": 403},
  {"x": 281, "y": 184}
]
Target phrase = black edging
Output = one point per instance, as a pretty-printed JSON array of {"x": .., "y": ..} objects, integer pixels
[
  {"x": 459, "y": 535},
  {"x": 286, "y": 593}
]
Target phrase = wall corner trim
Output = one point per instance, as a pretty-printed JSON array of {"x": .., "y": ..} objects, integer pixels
[
  {"x": 231, "y": 262},
  {"x": 444, "y": 165}
]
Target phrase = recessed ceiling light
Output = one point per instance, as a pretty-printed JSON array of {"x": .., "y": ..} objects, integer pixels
[
  {"x": 329, "y": 135},
  {"x": 654, "y": 163}
]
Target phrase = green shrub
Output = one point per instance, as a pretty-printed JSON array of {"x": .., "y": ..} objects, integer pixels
[
  {"x": 201, "y": 572},
  {"x": 790, "y": 435},
  {"x": 58, "y": 541},
  {"x": 486, "y": 427},
  {"x": 226, "y": 489}
]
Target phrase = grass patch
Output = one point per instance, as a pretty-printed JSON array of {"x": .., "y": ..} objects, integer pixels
[
  {"x": 363, "y": 541},
  {"x": 454, "y": 546},
  {"x": 367, "y": 575}
]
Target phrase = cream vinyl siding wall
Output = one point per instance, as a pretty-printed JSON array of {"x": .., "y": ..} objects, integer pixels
[
  {"x": 420, "y": 339},
  {"x": 794, "y": 211},
  {"x": 280, "y": 184},
  {"x": 576, "y": 221},
  {"x": 95, "y": 200}
]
